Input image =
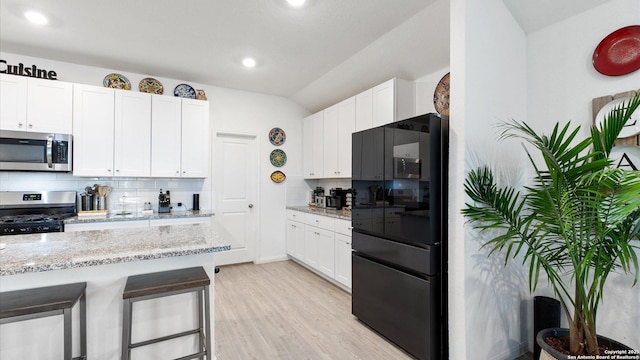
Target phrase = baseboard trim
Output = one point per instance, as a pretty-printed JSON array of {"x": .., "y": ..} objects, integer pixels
[{"x": 272, "y": 259}]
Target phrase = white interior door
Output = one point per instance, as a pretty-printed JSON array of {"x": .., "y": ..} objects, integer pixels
[{"x": 236, "y": 182}]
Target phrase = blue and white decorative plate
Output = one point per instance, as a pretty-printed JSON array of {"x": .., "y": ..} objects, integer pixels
[
  {"x": 184, "y": 91},
  {"x": 277, "y": 136}
]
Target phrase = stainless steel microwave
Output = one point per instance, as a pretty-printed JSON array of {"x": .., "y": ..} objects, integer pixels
[{"x": 31, "y": 151}]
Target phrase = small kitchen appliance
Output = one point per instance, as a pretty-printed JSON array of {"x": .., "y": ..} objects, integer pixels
[
  {"x": 318, "y": 197},
  {"x": 31, "y": 212},
  {"x": 337, "y": 198},
  {"x": 32, "y": 151},
  {"x": 164, "y": 202}
]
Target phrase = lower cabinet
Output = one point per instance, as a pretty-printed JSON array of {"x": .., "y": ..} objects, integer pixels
[
  {"x": 322, "y": 243},
  {"x": 295, "y": 239},
  {"x": 343, "y": 259}
]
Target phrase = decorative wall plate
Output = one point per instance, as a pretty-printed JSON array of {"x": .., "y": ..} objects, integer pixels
[
  {"x": 277, "y": 136},
  {"x": 441, "y": 96},
  {"x": 278, "y": 158},
  {"x": 631, "y": 128},
  {"x": 184, "y": 91},
  {"x": 278, "y": 176},
  {"x": 619, "y": 52},
  {"x": 151, "y": 86},
  {"x": 116, "y": 81}
]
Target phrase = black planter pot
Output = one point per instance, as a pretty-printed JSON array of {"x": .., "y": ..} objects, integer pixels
[{"x": 549, "y": 353}]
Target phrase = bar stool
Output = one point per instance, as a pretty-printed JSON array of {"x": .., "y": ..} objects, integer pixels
[
  {"x": 28, "y": 304},
  {"x": 167, "y": 283}
]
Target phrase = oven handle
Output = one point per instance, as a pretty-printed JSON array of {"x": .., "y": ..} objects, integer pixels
[{"x": 50, "y": 152}]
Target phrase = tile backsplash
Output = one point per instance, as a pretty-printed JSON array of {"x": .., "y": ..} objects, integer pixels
[{"x": 128, "y": 194}]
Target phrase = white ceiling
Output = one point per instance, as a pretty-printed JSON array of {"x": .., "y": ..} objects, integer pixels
[{"x": 303, "y": 54}]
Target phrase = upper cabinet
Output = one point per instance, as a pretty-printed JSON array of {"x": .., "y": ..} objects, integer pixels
[
  {"x": 111, "y": 132},
  {"x": 132, "y": 134},
  {"x": 120, "y": 133},
  {"x": 393, "y": 100},
  {"x": 327, "y": 135},
  {"x": 339, "y": 124},
  {"x": 93, "y": 124},
  {"x": 313, "y": 146},
  {"x": 184, "y": 156},
  {"x": 30, "y": 104}
]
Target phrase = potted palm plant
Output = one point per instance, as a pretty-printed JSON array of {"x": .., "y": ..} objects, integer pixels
[{"x": 575, "y": 222}]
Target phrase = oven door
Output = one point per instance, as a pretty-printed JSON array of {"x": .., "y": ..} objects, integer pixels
[{"x": 29, "y": 151}]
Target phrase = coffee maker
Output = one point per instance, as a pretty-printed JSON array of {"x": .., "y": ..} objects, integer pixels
[
  {"x": 318, "y": 197},
  {"x": 337, "y": 198}
]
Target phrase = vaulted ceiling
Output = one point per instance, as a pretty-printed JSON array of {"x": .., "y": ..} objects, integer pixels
[{"x": 301, "y": 53}]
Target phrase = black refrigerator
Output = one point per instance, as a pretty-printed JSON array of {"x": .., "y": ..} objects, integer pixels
[{"x": 399, "y": 219}]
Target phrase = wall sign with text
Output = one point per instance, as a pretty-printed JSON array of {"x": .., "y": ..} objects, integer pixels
[{"x": 29, "y": 71}]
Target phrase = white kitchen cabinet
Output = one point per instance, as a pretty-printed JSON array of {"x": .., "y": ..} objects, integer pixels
[
  {"x": 93, "y": 130},
  {"x": 393, "y": 100},
  {"x": 112, "y": 132},
  {"x": 166, "y": 130},
  {"x": 364, "y": 110},
  {"x": 13, "y": 102},
  {"x": 295, "y": 234},
  {"x": 179, "y": 137},
  {"x": 339, "y": 125},
  {"x": 31, "y": 104},
  {"x": 326, "y": 252},
  {"x": 313, "y": 146},
  {"x": 195, "y": 139},
  {"x": 343, "y": 259},
  {"x": 322, "y": 243},
  {"x": 132, "y": 140},
  {"x": 330, "y": 144},
  {"x": 311, "y": 245},
  {"x": 295, "y": 239}
]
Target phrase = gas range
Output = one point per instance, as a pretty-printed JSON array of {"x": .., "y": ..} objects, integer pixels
[{"x": 31, "y": 212}]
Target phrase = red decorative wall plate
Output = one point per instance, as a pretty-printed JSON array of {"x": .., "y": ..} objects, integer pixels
[{"x": 619, "y": 52}]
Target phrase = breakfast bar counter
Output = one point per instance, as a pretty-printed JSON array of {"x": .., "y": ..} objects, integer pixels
[
  {"x": 104, "y": 259},
  {"x": 65, "y": 250}
]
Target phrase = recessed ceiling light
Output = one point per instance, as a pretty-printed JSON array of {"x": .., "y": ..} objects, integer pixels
[
  {"x": 249, "y": 62},
  {"x": 296, "y": 3},
  {"x": 36, "y": 17}
]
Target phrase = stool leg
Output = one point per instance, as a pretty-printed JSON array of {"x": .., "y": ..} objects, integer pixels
[
  {"x": 126, "y": 329},
  {"x": 67, "y": 333},
  {"x": 207, "y": 322},
  {"x": 201, "y": 316},
  {"x": 83, "y": 326}
]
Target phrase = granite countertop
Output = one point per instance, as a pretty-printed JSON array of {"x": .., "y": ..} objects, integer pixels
[
  {"x": 338, "y": 214},
  {"x": 137, "y": 216},
  {"x": 64, "y": 250}
]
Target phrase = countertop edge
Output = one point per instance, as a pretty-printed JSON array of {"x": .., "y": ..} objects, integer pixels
[
  {"x": 114, "y": 217},
  {"x": 114, "y": 260},
  {"x": 336, "y": 214}
]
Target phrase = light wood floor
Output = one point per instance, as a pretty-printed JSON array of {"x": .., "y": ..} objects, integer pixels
[{"x": 281, "y": 310}]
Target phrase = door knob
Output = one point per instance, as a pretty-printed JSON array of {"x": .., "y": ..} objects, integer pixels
[{"x": 250, "y": 206}]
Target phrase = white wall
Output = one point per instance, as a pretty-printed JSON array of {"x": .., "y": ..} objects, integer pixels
[
  {"x": 488, "y": 85},
  {"x": 561, "y": 83},
  {"x": 498, "y": 72},
  {"x": 230, "y": 110}
]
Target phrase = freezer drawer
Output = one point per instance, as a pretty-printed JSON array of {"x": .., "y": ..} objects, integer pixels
[
  {"x": 424, "y": 260},
  {"x": 403, "y": 308}
]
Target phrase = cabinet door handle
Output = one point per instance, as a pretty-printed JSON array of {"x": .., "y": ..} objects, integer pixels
[
  {"x": 30, "y": 126},
  {"x": 250, "y": 206},
  {"x": 20, "y": 124}
]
